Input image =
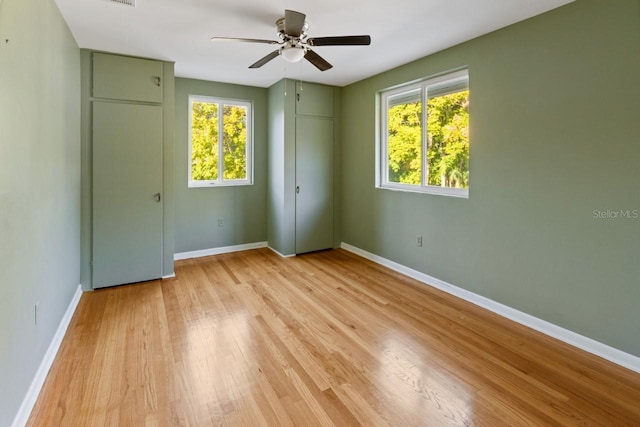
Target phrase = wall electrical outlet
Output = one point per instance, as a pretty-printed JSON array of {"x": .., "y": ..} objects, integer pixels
[
  {"x": 419, "y": 241},
  {"x": 220, "y": 222}
]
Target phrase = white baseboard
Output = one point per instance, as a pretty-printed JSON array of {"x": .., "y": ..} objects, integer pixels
[
  {"x": 607, "y": 352},
  {"x": 30, "y": 398},
  {"x": 283, "y": 256},
  {"x": 218, "y": 251}
]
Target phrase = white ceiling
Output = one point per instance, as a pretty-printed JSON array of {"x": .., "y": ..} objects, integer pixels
[{"x": 180, "y": 31}]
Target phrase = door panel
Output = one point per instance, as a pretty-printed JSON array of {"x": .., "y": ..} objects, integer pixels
[
  {"x": 127, "y": 175},
  {"x": 125, "y": 78},
  {"x": 314, "y": 100},
  {"x": 314, "y": 184}
]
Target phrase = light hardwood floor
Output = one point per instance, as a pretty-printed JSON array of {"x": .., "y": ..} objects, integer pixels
[{"x": 252, "y": 339}]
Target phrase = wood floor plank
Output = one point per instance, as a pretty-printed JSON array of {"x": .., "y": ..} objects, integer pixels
[{"x": 322, "y": 339}]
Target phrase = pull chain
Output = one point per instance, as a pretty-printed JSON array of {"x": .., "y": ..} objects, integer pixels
[
  {"x": 300, "y": 74},
  {"x": 284, "y": 73}
]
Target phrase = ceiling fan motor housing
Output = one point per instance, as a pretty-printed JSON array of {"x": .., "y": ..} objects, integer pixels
[{"x": 280, "y": 25}]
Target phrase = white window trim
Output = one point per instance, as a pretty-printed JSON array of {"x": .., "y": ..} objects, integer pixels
[
  {"x": 220, "y": 182},
  {"x": 382, "y": 169}
]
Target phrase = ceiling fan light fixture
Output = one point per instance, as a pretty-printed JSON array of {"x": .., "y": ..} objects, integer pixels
[{"x": 292, "y": 54}]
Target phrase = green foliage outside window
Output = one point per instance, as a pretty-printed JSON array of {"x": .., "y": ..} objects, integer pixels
[
  {"x": 235, "y": 142},
  {"x": 405, "y": 143},
  {"x": 205, "y": 139},
  {"x": 447, "y": 141}
]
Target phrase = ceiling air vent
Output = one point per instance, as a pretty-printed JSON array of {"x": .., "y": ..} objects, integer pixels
[{"x": 131, "y": 3}]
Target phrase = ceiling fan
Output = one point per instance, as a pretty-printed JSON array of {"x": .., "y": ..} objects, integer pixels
[{"x": 294, "y": 43}]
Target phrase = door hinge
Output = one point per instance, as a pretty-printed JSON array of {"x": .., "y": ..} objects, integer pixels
[{"x": 298, "y": 97}]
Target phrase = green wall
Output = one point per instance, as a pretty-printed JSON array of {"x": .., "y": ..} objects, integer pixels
[
  {"x": 282, "y": 170},
  {"x": 555, "y": 135},
  {"x": 276, "y": 233},
  {"x": 243, "y": 209},
  {"x": 39, "y": 188}
]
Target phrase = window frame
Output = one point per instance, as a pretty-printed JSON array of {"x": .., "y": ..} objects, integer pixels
[
  {"x": 382, "y": 151},
  {"x": 220, "y": 182}
]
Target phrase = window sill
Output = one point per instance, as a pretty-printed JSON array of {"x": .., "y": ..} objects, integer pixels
[
  {"x": 211, "y": 184},
  {"x": 462, "y": 193}
]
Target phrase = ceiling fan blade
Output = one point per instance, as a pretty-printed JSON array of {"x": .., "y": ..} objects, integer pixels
[
  {"x": 266, "y": 59},
  {"x": 293, "y": 22},
  {"x": 235, "y": 39},
  {"x": 317, "y": 60},
  {"x": 340, "y": 41}
]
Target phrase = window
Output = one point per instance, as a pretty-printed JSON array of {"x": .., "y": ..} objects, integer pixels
[
  {"x": 432, "y": 158},
  {"x": 220, "y": 142}
]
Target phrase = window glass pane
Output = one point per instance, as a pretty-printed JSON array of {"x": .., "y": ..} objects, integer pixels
[
  {"x": 404, "y": 141},
  {"x": 448, "y": 140},
  {"x": 235, "y": 142},
  {"x": 204, "y": 141}
]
